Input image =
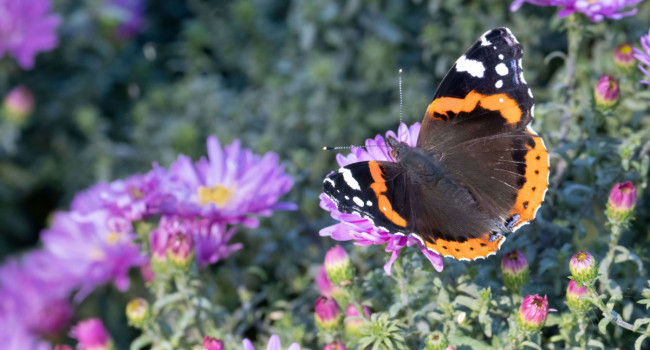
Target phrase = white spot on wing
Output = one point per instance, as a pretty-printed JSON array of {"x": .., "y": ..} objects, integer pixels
[
  {"x": 484, "y": 40},
  {"x": 499, "y": 84},
  {"x": 349, "y": 179},
  {"x": 347, "y": 198},
  {"x": 501, "y": 69},
  {"x": 358, "y": 201},
  {"x": 530, "y": 93},
  {"x": 521, "y": 72},
  {"x": 500, "y": 56},
  {"x": 500, "y": 100},
  {"x": 369, "y": 203},
  {"x": 327, "y": 179},
  {"x": 473, "y": 67}
]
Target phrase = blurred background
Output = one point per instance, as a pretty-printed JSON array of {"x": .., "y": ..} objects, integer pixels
[{"x": 135, "y": 82}]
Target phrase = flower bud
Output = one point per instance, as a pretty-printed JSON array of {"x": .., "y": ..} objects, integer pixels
[
  {"x": 18, "y": 105},
  {"x": 583, "y": 267},
  {"x": 210, "y": 343},
  {"x": 335, "y": 345},
  {"x": 435, "y": 341},
  {"x": 353, "y": 321},
  {"x": 180, "y": 250},
  {"x": 573, "y": 294},
  {"x": 147, "y": 273},
  {"x": 606, "y": 92},
  {"x": 328, "y": 314},
  {"x": 514, "y": 270},
  {"x": 137, "y": 312},
  {"x": 533, "y": 312},
  {"x": 622, "y": 200},
  {"x": 337, "y": 264},
  {"x": 624, "y": 56},
  {"x": 92, "y": 335}
]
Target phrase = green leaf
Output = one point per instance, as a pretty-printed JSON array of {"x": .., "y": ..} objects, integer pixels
[
  {"x": 530, "y": 344},
  {"x": 141, "y": 342},
  {"x": 639, "y": 342},
  {"x": 602, "y": 325}
]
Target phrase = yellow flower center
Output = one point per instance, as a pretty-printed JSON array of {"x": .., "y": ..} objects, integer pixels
[
  {"x": 626, "y": 49},
  {"x": 219, "y": 195},
  {"x": 135, "y": 193},
  {"x": 113, "y": 237}
]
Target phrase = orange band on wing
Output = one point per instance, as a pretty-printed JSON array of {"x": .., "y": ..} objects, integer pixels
[
  {"x": 531, "y": 195},
  {"x": 501, "y": 103},
  {"x": 471, "y": 249},
  {"x": 379, "y": 186}
]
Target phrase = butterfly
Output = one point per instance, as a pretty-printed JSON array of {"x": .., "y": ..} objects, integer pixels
[{"x": 478, "y": 170}]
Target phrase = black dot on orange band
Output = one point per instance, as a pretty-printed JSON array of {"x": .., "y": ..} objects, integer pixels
[
  {"x": 483, "y": 244},
  {"x": 526, "y": 205},
  {"x": 536, "y": 171},
  {"x": 534, "y": 188},
  {"x": 471, "y": 248},
  {"x": 444, "y": 247},
  {"x": 538, "y": 158},
  {"x": 457, "y": 249}
]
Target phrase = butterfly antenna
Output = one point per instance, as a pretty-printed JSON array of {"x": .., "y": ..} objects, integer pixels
[
  {"x": 330, "y": 148},
  {"x": 401, "y": 96}
]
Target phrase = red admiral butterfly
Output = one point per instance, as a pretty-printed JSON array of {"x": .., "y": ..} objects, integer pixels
[{"x": 478, "y": 170}]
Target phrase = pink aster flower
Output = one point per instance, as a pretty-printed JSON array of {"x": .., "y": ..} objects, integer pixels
[
  {"x": 230, "y": 185},
  {"x": 210, "y": 238},
  {"x": 644, "y": 56},
  {"x": 274, "y": 344},
  {"x": 26, "y": 28},
  {"x": 596, "y": 10},
  {"x": 92, "y": 335},
  {"x": 134, "y": 198},
  {"x": 362, "y": 231},
  {"x": 533, "y": 312},
  {"x": 93, "y": 249}
]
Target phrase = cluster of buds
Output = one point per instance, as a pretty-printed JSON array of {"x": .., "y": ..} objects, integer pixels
[
  {"x": 514, "y": 270},
  {"x": 533, "y": 312},
  {"x": 621, "y": 202},
  {"x": 606, "y": 92},
  {"x": 583, "y": 268}
]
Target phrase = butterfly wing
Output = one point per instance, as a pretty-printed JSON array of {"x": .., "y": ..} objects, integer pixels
[{"x": 479, "y": 125}]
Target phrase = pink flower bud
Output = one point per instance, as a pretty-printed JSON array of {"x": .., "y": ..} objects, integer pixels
[
  {"x": 18, "y": 104},
  {"x": 328, "y": 314},
  {"x": 583, "y": 267},
  {"x": 335, "y": 345},
  {"x": 573, "y": 294},
  {"x": 180, "y": 250},
  {"x": 147, "y": 273},
  {"x": 210, "y": 343},
  {"x": 436, "y": 340},
  {"x": 137, "y": 312},
  {"x": 624, "y": 56},
  {"x": 606, "y": 92},
  {"x": 337, "y": 264},
  {"x": 533, "y": 312},
  {"x": 514, "y": 270},
  {"x": 92, "y": 335},
  {"x": 622, "y": 200},
  {"x": 353, "y": 321}
]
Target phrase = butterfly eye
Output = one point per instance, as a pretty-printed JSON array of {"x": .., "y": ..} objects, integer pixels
[{"x": 394, "y": 153}]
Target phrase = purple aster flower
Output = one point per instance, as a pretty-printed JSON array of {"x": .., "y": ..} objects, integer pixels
[
  {"x": 210, "y": 238},
  {"x": 362, "y": 231},
  {"x": 126, "y": 15},
  {"x": 40, "y": 306},
  {"x": 274, "y": 344},
  {"x": 93, "y": 249},
  {"x": 644, "y": 57},
  {"x": 26, "y": 28},
  {"x": 229, "y": 186},
  {"x": 596, "y": 10},
  {"x": 134, "y": 198}
]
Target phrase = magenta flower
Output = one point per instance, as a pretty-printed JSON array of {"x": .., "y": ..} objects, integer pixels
[
  {"x": 39, "y": 306},
  {"x": 18, "y": 104},
  {"x": 583, "y": 267},
  {"x": 621, "y": 202},
  {"x": 335, "y": 345},
  {"x": 596, "y": 10},
  {"x": 92, "y": 249},
  {"x": 210, "y": 238},
  {"x": 92, "y": 335},
  {"x": 362, "y": 231},
  {"x": 533, "y": 312},
  {"x": 126, "y": 15},
  {"x": 274, "y": 344},
  {"x": 210, "y": 343},
  {"x": 644, "y": 56},
  {"x": 229, "y": 186},
  {"x": 327, "y": 314},
  {"x": 133, "y": 199},
  {"x": 27, "y": 28},
  {"x": 606, "y": 92}
]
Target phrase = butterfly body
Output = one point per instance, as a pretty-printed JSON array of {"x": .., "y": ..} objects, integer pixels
[{"x": 478, "y": 170}]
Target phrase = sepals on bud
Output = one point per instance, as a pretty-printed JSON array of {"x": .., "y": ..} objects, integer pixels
[
  {"x": 583, "y": 268},
  {"x": 138, "y": 312},
  {"x": 328, "y": 314},
  {"x": 621, "y": 202},
  {"x": 337, "y": 264},
  {"x": 606, "y": 92},
  {"x": 435, "y": 341},
  {"x": 533, "y": 312},
  {"x": 573, "y": 294},
  {"x": 514, "y": 270}
]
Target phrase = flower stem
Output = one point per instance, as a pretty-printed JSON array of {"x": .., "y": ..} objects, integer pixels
[
  {"x": 574, "y": 36},
  {"x": 613, "y": 316}
]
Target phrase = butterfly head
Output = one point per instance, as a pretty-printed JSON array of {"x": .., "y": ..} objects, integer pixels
[{"x": 398, "y": 149}]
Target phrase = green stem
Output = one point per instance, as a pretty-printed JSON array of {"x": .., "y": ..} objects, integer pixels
[
  {"x": 583, "y": 330},
  {"x": 613, "y": 316},
  {"x": 574, "y": 36}
]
